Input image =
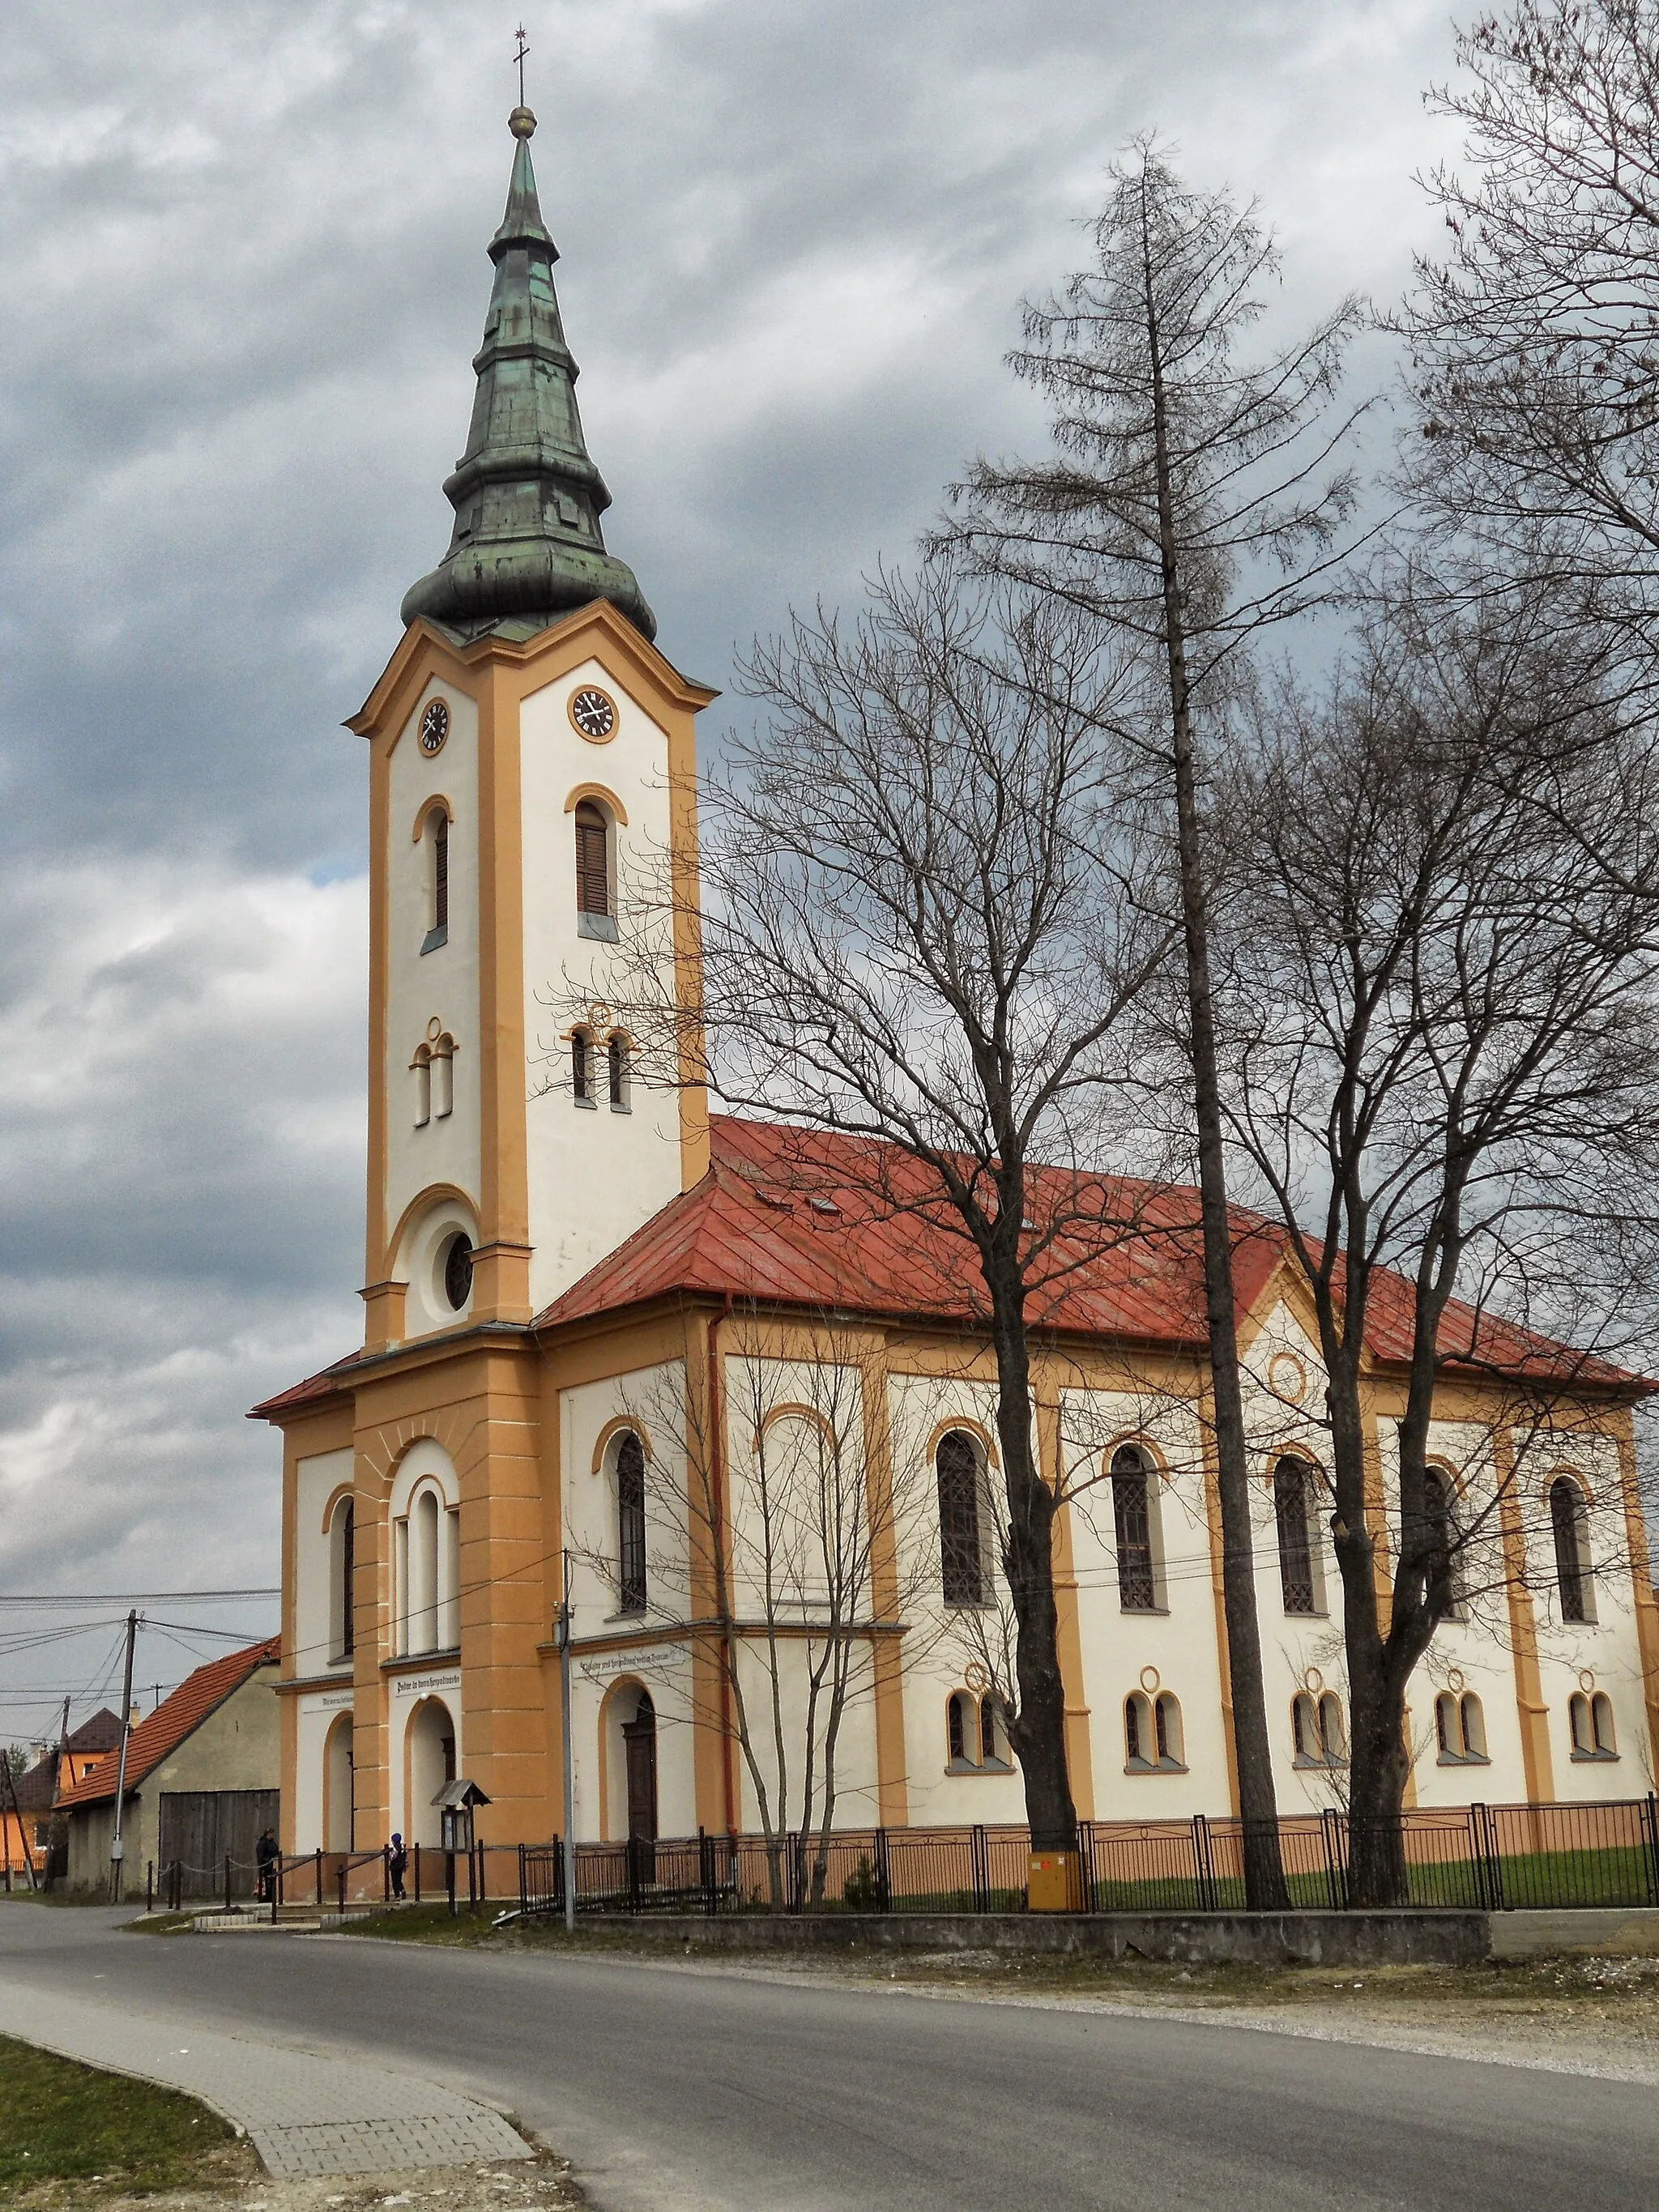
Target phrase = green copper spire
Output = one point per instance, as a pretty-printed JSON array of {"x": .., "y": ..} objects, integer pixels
[{"x": 527, "y": 546}]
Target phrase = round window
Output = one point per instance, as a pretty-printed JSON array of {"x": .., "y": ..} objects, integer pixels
[{"x": 457, "y": 1270}]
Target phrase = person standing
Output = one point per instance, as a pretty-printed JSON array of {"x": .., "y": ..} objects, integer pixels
[
  {"x": 397, "y": 1865},
  {"x": 265, "y": 1856}
]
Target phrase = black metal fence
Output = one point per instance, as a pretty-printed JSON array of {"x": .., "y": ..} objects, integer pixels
[{"x": 1490, "y": 1858}]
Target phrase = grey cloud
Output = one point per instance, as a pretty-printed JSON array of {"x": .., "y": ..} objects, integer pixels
[{"x": 243, "y": 258}]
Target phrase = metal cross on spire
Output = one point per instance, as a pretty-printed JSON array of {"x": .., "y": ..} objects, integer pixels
[{"x": 524, "y": 48}]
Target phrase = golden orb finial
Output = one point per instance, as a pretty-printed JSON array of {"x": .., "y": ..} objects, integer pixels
[{"x": 521, "y": 123}]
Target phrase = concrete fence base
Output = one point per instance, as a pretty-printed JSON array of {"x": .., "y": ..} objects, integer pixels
[{"x": 1262, "y": 1939}]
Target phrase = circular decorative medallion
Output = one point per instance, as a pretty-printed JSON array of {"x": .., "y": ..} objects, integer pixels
[
  {"x": 435, "y": 726},
  {"x": 1587, "y": 1679},
  {"x": 594, "y": 713},
  {"x": 434, "y": 1030},
  {"x": 975, "y": 1678},
  {"x": 1453, "y": 1679},
  {"x": 1150, "y": 1679},
  {"x": 1312, "y": 1680},
  {"x": 1287, "y": 1377}
]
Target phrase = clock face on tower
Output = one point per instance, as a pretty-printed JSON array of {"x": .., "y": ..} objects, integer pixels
[
  {"x": 594, "y": 713},
  {"x": 434, "y": 727}
]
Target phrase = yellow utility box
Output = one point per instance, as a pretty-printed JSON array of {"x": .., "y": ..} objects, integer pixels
[{"x": 1054, "y": 1882}]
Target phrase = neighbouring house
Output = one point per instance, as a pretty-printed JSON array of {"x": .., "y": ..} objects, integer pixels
[
  {"x": 202, "y": 1781},
  {"x": 593, "y": 1309},
  {"x": 37, "y": 1789}
]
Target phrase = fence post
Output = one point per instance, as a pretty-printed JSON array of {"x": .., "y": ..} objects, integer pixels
[
  {"x": 981, "y": 1870},
  {"x": 317, "y": 1868},
  {"x": 1336, "y": 1886},
  {"x": 417, "y": 1874},
  {"x": 1652, "y": 1811},
  {"x": 149, "y": 1884},
  {"x": 706, "y": 1871},
  {"x": 884, "y": 1874},
  {"x": 524, "y": 1901},
  {"x": 226, "y": 1881},
  {"x": 471, "y": 1881},
  {"x": 1204, "y": 1865}
]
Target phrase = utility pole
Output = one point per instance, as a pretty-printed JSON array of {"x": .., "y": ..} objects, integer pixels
[
  {"x": 22, "y": 1832},
  {"x": 562, "y": 1639},
  {"x": 116, "y": 1847}
]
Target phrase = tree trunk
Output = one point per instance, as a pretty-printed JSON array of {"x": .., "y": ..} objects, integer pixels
[
  {"x": 1040, "y": 1730},
  {"x": 1264, "y": 1876}
]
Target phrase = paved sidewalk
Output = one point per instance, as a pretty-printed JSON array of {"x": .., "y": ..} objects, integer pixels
[{"x": 306, "y": 2115}]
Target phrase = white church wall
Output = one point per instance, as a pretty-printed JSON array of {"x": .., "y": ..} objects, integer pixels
[
  {"x": 318, "y": 1713},
  {"x": 857, "y": 1804},
  {"x": 651, "y": 1400},
  {"x": 1585, "y": 1657},
  {"x": 595, "y": 1173},
  {"x": 939, "y": 1648},
  {"x": 432, "y": 995},
  {"x": 1169, "y": 1650}
]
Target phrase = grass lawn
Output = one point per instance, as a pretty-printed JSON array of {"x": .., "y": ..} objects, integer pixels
[{"x": 65, "y": 2123}]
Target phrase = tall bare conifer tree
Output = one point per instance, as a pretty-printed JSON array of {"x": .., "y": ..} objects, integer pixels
[{"x": 1191, "y": 503}]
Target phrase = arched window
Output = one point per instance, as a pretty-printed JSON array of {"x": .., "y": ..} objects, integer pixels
[
  {"x": 1166, "y": 1726},
  {"x": 1590, "y": 1721},
  {"x": 342, "y": 1550},
  {"x": 443, "y": 1078},
  {"x": 993, "y": 1734},
  {"x": 1444, "y": 1596},
  {"x": 582, "y": 1068},
  {"x": 1602, "y": 1726},
  {"x": 1332, "y": 1736},
  {"x": 1474, "y": 1726},
  {"x": 1138, "y": 1742},
  {"x": 1132, "y": 1519},
  {"x": 434, "y": 839},
  {"x": 630, "y": 1524},
  {"x": 424, "y": 1573},
  {"x": 617, "y": 1069},
  {"x": 1318, "y": 1731},
  {"x": 595, "y": 907},
  {"x": 1295, "y": 1570},
  {"x": 956, "y": 1710},
  {"x": 1152, "y": 1739},
  {"x": 1572, "y": 1565},
  {"x": 962, "y": 1559},
  {"x": 1459, "y": 1729},
  {"x": 421, "y": 1066}
]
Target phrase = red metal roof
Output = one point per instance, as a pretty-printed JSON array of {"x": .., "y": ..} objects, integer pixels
[
  {"x": 790, "y": 1216},
  {"x": 799, "y": 1216},
  {"x": 174, "y": 1719}
]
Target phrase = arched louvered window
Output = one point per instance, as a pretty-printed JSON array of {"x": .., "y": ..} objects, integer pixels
[
  {"x": 962, "y": 1560},
  {"x": 956, "y": 1728},
  {"x": 593, "y": 862},
  {"x": 1572, "y": 1567},
  {"x": 582, "y": 1068},
  {"x": 434, "y": 839},
  {"x": 1296, "y": 1570},
  {"x": 617, "y": 1070},
  {"x": 630, "y": 1524},
  {"x": 1132, "y": 1520}
]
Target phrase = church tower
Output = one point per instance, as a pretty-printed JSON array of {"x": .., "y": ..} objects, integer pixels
[{"x": 530, "y": 751}]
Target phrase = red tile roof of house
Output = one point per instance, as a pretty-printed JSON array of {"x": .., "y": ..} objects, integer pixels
[
  {"x": 37, "y": 1789},
  {"x": 162, "y": 1731},
  {"x": 792, "y": 1216}
]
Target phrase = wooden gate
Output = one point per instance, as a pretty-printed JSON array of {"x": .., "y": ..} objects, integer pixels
[{"x": 199, "y": 1826}]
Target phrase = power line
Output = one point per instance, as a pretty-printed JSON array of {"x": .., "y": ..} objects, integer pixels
[{"x": 131, "y": 1597}]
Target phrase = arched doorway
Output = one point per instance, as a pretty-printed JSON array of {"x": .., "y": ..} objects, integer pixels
[
  {"x": 338, "y": 1787},
  {"x": 640, "y": 1760},
  {"x": 429, "y": 1762}
]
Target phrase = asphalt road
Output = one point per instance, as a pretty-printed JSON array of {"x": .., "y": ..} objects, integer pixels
[{"x": 699, "y": 2091}]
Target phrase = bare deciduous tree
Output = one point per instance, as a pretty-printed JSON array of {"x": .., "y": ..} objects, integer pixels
[
  {"x": 1535, "y": 343},
  {"x": 1191, "y": 505},
  {"x": 926, "y": 915},
  {"x": 1442, "y": 1033}
]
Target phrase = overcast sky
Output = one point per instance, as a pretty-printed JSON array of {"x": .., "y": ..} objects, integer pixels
[{"x": 243, "y": 275}]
